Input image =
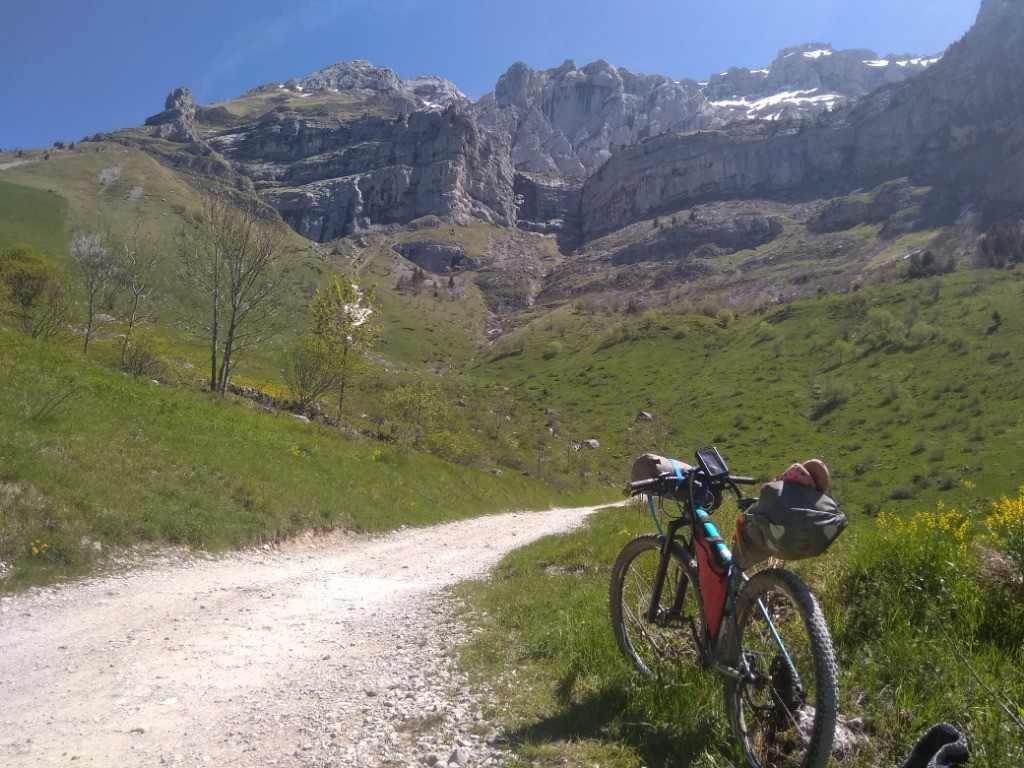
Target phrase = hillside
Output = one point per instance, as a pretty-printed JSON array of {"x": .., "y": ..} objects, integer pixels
[
  {"x": 779, "y": 313},
  {"x": 882, "y": 382}
]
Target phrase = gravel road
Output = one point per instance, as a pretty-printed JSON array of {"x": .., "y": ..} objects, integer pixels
[{"x": 329, "y": 651}]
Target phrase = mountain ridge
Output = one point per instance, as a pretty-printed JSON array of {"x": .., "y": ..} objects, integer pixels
[{"x": 637, "y": 177}]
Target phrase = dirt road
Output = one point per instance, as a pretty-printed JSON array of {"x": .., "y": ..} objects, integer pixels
[{"x": 327, "y": 652}]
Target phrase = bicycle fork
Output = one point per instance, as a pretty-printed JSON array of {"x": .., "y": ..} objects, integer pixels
[{"x": 655, "y": 613}]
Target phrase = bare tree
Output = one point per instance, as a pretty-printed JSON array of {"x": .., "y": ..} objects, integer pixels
[
  {"x": 101, "y": 276},
  {"x": 232, "y": 261},
  {"x": 138, "y": 258}
]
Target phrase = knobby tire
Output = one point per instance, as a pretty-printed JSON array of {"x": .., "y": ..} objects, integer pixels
[{"x": 782, "y": 719}]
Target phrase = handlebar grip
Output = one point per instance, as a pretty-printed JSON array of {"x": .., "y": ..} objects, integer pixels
[
  {"x": 641, "y": 484},
  {"x": 743, "y": 480}
]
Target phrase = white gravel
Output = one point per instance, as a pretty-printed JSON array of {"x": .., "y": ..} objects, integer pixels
[{"x": 327, "y": 652}]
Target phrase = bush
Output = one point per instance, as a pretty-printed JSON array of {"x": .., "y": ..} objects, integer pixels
[
  {"x": 143, "y": 355},
  {"x": 1005, "y": 526},
  {"x": 25, "y": 275},
  {"x": 309, "y": 370},
  {"x": 554, "y": 349}
]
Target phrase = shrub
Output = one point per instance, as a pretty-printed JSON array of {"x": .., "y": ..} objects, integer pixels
[
  {"x": 309, "y": 370},
  {"x": 35, "y": 294},
  {"x": 1005, "y": 525},
  {"x": 144, "y": 355}
]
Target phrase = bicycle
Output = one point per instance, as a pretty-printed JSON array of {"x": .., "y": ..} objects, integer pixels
[{"x": 678, "y": 597}]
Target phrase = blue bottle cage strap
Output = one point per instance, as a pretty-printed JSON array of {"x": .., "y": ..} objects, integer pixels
[{"x": 679, "y": 474}]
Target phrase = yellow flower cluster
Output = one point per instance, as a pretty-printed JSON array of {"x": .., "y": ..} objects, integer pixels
[
  {"x": 948, "y": 522},
  {"x": 38, "y": 548},
  {"x": 1006, "y": 522}
]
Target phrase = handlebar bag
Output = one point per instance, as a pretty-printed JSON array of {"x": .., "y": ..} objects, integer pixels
[
  {"x": 788, "y": 521},
  {"x": 651, "y": 465}
]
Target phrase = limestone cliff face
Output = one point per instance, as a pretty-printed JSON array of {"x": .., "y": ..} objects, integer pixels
[
  {"x": 364, "y": 79},
  {"x": 329, "y": 179},
  {"x": 805, "y": 80},
  {"x": 958, "y": 126},
  {"x": 569, "y": 120},
  {"x": 578, "y": 152}
]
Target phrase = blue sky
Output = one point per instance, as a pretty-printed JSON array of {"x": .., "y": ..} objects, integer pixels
[{"x": 71, "y": 68}]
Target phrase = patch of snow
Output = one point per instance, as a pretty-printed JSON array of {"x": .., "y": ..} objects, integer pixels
[
  {"x": 878, "y": 63},
  {"x": 817, "y": 54},
  {"x": 919, "y": 61},
  {"x": 803, "y": 98}
]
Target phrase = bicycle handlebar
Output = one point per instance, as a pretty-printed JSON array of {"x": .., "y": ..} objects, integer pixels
[{"x": 651, "y": 482}]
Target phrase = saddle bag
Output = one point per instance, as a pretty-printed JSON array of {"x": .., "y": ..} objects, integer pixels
[{"x": 788, "y": 521}]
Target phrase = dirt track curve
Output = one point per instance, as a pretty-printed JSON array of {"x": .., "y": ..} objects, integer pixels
[{"x": 326, "y": 652}]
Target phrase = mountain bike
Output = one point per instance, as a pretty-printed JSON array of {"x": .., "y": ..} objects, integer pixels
[{"x": 679, "y": 598}]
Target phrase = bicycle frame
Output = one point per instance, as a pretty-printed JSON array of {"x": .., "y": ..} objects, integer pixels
[{"x": 708, "y": 645}]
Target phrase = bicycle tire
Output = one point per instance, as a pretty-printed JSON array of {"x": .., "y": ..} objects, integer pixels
[
  {"x": 772, "y": 714},
  {"x": 655, "y": 648}
]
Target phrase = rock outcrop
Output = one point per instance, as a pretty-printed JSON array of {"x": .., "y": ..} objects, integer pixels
[
  {"x": 437, "y": 257},
  {"x": 178, "y": 120}
]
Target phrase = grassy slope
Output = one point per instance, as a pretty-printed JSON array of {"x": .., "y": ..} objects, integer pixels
[
  {"x": 90, "y": 454},
  {"x": 417, "y": 329},
  {"x": 883, "y": 383},
  {"x": 31, "y": 216},
  {"x": 902, "y": 413}
]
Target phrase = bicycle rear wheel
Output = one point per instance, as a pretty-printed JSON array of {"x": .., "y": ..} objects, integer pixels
[
  {"x": 784, "y": 710},
  {"x": 655, "y": 646}
]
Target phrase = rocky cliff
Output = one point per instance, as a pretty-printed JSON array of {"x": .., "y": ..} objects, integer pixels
[
  {"x": 388, "y": 150},
  {"x": 957, "y": 127},
  {"x": 330, "y": 178},
  {"x": 570, "y": 120}
]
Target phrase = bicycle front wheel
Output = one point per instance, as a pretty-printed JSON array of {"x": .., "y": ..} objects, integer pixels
[
  {"x": 784, "y": 708},
  {"x": 655, "y": 642}
]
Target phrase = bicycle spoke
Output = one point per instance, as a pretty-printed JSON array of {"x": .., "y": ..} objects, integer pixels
[
  {"x": 655, "y": 646},
  {"x": 783, "y": 711}
]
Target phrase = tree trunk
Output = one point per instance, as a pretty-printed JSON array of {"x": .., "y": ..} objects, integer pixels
[
  {"x": 225, "y": 363},
  {"x": 213, "y": 348},
  {"x": 88, "y": 330}
]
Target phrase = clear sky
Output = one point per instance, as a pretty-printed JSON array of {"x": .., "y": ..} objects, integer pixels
[{"x": 71, "y": 68}]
